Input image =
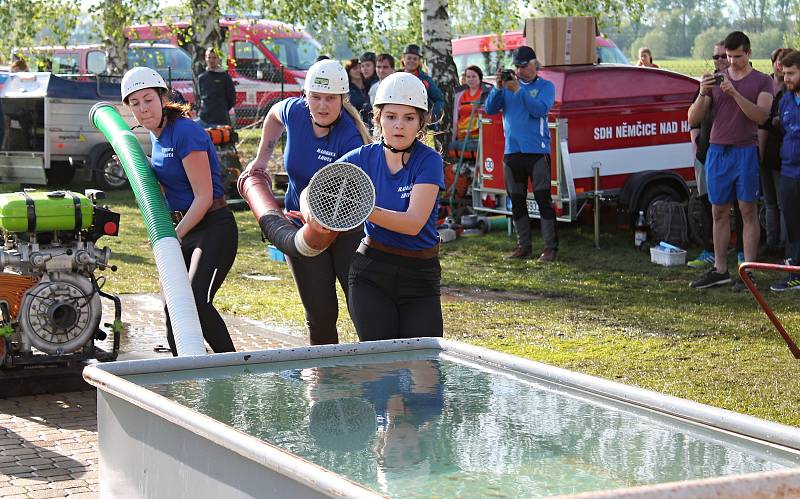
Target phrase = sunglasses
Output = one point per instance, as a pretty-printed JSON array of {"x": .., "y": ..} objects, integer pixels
[
  {"x": 718, "y": 57},
  {"x": 518, "y": 66}
]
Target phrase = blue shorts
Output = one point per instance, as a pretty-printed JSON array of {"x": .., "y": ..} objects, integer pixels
[{"x": 732, "y": 173}]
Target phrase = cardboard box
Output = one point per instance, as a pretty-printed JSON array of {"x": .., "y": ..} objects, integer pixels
[{"x": 562, "y": 41}]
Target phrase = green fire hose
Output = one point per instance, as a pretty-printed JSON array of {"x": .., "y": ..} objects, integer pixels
[{"x": 166, "y": 248}]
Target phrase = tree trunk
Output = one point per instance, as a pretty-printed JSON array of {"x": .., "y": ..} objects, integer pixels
[
  {"x": 438, "y": 51},
  {"x": 115, "y": 18},
  {"x": 205, "y": 32}
]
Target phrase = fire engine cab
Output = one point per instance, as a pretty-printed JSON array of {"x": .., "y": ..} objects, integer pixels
[{"x": 627, "y": 123}]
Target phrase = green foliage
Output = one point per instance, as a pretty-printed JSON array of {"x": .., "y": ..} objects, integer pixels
[
  {"x": 656, "y": 40},
  {"x": 704, "y": 42},
  {"x": 697, "y": 67},
  {"x": 606, "y": 11},
  {"x": 762, "y": 44},
  {"x": 29, "y": 22}
]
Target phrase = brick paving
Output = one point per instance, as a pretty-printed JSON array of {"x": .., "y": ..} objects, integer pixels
[{"x": 48, "y": 443}]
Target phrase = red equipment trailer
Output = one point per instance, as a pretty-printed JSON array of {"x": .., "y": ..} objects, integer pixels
[{"x": 629, "y": 122}]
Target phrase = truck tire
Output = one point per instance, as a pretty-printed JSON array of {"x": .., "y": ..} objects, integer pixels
[
  {"x": 653, "y": 193},
  {"x": 108, "y": 174}
]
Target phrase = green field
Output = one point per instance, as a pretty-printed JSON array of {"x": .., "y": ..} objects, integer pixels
[
  {"x": 697, "y": 67},
  {"x": 607, "y": 312}
]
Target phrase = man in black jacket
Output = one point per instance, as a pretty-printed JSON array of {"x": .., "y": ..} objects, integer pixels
[{"x": 217, "y": 94}]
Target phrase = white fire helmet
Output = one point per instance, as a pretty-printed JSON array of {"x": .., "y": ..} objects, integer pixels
[
  {"x": 138, "y": 79},
  {"x": 402, "y": 88},
  {"x": 327, "y": 77}
]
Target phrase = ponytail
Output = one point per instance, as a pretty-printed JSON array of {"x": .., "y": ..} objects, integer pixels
[
  {"x": 173, "y": 110},
  {"x": 362, "y": 129}
]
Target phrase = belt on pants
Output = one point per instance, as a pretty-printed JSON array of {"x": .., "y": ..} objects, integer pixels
[
  {"x": 392, "y": 250},
  {"x": 217, "y": 204}
]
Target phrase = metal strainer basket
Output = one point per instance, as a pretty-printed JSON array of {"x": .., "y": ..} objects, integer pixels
[{"x": 341, "y": 196}]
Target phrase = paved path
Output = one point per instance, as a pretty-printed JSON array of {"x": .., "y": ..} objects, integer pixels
[{"x": 48, "y": 443}]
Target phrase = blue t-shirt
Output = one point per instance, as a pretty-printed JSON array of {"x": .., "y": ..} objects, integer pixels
[
  {"x": 178, "y": 140},
  {"x": 305, "y": 153},
  {"x": 393, "y": 192}
]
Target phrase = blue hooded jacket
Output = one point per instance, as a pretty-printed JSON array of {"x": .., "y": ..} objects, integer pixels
[
  {"x": 790, "y": 149},
  {"x": 524, "y": 115}
]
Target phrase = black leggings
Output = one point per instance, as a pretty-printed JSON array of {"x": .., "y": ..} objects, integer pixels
[
  {"x": 316, "y": 278},
  {"x": 394, "y": 296},
  {"x": 209, "y": 250}
]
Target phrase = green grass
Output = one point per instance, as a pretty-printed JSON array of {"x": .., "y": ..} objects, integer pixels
[
  {"x": 607, "y": 312},
  {"x": 697, "y": 67}
]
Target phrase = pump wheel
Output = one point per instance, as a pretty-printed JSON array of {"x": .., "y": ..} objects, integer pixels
[{"x": 108, "y": 173}]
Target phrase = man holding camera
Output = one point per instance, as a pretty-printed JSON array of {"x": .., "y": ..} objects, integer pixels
[
  {"x": 525, "y": 99},
  {"x": 740, "y": 98}
]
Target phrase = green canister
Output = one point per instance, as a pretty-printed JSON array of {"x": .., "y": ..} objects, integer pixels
[{"x": 35, "y": 211}]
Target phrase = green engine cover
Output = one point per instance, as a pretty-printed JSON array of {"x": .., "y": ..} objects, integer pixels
[{"x": 44, "y": 211}]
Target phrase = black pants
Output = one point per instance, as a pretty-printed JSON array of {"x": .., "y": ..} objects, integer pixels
[
  {"x": 209, "y": 250},
  {"x": 518, "y": 168},
  {"x": 789, "y": 198},
  {"x": 395, "y": 296},
  {"x": 316, "y": 278}
]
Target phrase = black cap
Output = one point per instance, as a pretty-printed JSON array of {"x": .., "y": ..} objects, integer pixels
[
  {"x": 523, "y": 55},
  {"x": 367, "y": 56},
  {"x": 413, "y": 50}
]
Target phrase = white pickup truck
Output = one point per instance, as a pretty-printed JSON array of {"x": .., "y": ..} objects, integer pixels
[{"x": 47, "y": 134}]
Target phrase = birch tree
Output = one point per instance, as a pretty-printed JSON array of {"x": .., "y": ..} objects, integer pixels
[
  {"x": 205, "y": 32},
  {"x": 113, "y": 17},
  {"x": 438, "y": 51}
]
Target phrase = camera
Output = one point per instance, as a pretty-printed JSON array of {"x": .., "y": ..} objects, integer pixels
[
  {"x": 718, "y": 78},
  {"x": 507, "y": 75}
]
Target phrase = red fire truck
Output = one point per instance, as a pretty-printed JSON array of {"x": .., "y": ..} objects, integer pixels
[
  {"x": 266, "y": 59},
  {"x": 626, "y": 122}
]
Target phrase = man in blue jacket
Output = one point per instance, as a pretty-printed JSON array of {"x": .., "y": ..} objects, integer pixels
[
  {"x": 525, "y": 99},
  {"x": 789, "y": 195},
  {"x": 411, "y": 59}
]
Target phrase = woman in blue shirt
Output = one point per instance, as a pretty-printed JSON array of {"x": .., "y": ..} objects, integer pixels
[
  {"x": 185, "y": 162},
  {"x": 317, "y": 132},
  {"x": 395, "y": 275}
]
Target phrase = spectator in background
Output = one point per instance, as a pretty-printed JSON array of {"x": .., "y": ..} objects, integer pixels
[
  {"x": 468, "y": 103},
  {"x": 525, "y": 99},
  {"x": 217, "y": 92},
  {"x": 19, "y": 66},
  {"x": 358, "y": 95},
  {"x": 412, "y": 56},
  {"x": 383, "y": 68},
  {"x": 646, "y": 58},
  {"x": 769, "y": 141},
  {"x": 367, "y": 61},
  {"x": 701, "y": 133},
  {"x": 788, "y": 119},
  {"x": 741, "y": 100},
  {"x": 2, "y": 124}
]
